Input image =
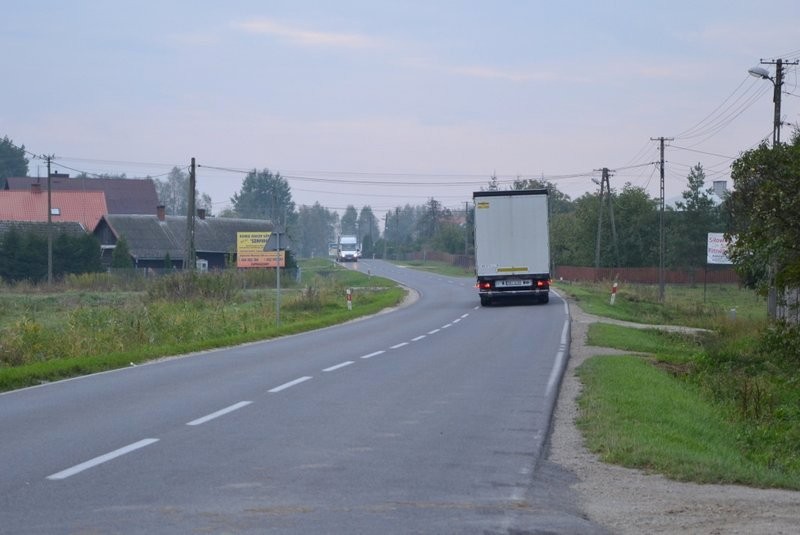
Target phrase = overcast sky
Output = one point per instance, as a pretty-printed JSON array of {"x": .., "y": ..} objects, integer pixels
[{"x": 388, "y": 102}]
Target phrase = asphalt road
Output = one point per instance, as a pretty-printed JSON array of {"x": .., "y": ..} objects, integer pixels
[{"x": 431, "y": 418}]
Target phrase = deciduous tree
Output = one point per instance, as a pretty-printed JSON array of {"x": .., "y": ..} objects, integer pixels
[
  {"x": 763, "y": 210},
  {"x": 13, "y": 161}
]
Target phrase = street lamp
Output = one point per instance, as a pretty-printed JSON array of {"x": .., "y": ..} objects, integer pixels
[
  {"x": 777, "y": 82},
  {"x": 761, "y": 72}
]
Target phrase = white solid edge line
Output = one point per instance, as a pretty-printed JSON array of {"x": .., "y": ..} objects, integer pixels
[
  {"x": 373, "y": 354},
  {"x": 342, "y": 365},
  {"x": 401, "y": 344},
  {"x": 221, "y": 412},
  {"x": 101, "y": 459},
  {"x": 553, "y": 379},
  {"x": 418, "y": 338},
  {"x": 290, "y": 384}
]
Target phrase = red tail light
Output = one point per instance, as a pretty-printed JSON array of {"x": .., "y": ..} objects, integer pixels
[{"x": 485, "y": 285}]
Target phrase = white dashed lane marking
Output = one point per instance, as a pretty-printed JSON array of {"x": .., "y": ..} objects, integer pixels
[
  {"x": 102, "y": 459},
  {"x": 290, "y": 384},
  {"x": 342, "y": 365},
  {"x": 219, "y": 413}
]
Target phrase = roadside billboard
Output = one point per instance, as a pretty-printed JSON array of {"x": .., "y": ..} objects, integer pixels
[
  {"x": 717, "y": 252},
  {"x": 250, "y": 251}
]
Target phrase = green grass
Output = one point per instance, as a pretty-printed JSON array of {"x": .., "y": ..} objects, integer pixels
[
  {"x": 440, "y": 268},
  {"x": 672, "y": 347},
  {"x": 54, "y": 336},
  {"x": 684, "y": 305},
  {"x": 636, "y": 415},
  {"x": 716, "y": 406}
]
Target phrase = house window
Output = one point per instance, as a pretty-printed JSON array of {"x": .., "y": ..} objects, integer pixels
[{"x": 55, "y": 211}]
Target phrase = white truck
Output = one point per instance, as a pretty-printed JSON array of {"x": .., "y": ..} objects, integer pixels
[
  {"x": 348, "y": 250},
  {"x": 512, "y": 245}
]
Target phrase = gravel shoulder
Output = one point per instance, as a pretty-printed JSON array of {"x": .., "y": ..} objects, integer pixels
[{"x": 631, "y": 501}]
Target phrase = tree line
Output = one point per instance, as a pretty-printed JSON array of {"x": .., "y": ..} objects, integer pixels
[{"x": 758, "y": 216}]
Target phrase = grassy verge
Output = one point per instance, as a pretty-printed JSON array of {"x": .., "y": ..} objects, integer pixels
[
  {"x": 720, "y": 406},
  {"x": 50, "y": 337},
  {"x": 693, "y": 306},
  {"x": 441, "y": 268},
  {"x": 637, "y": 415}
]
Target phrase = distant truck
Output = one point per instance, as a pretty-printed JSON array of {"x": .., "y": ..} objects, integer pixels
[
  {"x": 512, "y": 245},
  {"x": 348, "y": 249}
]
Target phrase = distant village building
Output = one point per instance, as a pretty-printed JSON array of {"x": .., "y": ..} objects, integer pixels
[
  {"x": 114, "y": 208},
  {"x": 151, "y": 238}
]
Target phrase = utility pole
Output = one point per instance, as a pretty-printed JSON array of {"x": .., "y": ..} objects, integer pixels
[
  {"x": 190, "y": 252},
  {"x": 466, "y": 229},
  {"x": 777, "y": 82},
  {"x": 605, "y": 191},
  {"x": 49, "y": 159},
  {"x": 385, "y": 233},
  {"x": 661, "y": 281}
]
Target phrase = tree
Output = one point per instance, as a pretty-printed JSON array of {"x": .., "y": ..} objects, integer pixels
[
  {"x": 636, "y": 218},
  {"x": 121, "y": 257},
  {"x": 113, "y": 176},
  {"x": 694, "y": 218},
  {"x": 763, "y": 210},
  {"x": 12, "y": 159},
  {"x": 316, "y": 227},
  {"x": 350, "y": 221},
  {"x": 400, "y": 228},
  {"x": 430, "y": 219},
  {"x": 559, "y": 202},
  {"x": 76, "y": 254},
  {"x": 173, "y": 193},
  {"x": 265, "y": 195},
  {"x": 449, "y": 238}
]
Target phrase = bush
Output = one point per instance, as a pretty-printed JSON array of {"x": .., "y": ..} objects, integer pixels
[
  {"x": 191, "y": 285},
  {"x": 780, "y": 345}
]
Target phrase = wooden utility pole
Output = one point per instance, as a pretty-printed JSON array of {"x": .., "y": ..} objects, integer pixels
[
  {"x": 466, "y": 229},
  {"x": 777, "y": 82},
  {"x": 190, "y": 250},
  {"x": 385, "y": 233},
  {"x": 49, "y": 159}
]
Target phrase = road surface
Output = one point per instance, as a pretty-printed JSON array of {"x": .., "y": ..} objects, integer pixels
[{"x": 431, "y": 418}]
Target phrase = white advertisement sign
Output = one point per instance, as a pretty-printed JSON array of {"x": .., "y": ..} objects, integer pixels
[{"x": 717, "y": 252}]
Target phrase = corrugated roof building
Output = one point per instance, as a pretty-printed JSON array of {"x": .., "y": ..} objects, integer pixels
[{"x": 151, "y": 238}]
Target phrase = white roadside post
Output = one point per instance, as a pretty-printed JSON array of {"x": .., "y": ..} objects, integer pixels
[{"x": 349, "y": 299}]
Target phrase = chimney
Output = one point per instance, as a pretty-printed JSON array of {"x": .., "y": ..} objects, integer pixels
[
  {"x": 201, "y": 213},
  {"x": 36, "y": 187},
  {"x": 161, "y": 212}
]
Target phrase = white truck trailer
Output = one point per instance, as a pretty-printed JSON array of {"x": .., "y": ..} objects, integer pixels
[
  {"x": 349, "y": 250},
  {"x": 512, "y": 245}
]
